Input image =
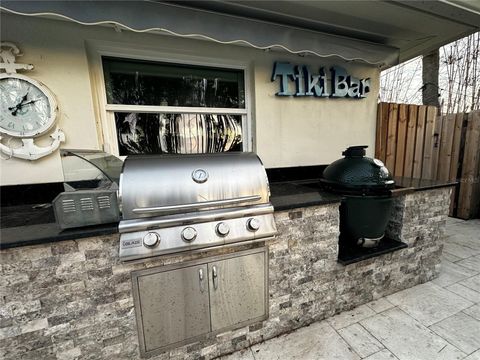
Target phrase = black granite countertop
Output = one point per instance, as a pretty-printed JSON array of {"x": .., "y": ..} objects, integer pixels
[
  {"x": 422, "y": 184},
  {"x": 34, "y": 224},
  {"x": 287, "y": 195},
  {"x": 295, "y": 194},
  {"x": 49, "y": 232}
]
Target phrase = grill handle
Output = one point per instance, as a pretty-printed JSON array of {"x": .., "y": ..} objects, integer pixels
[
  {"x": 215, "y": 277},
  {"x": 192, "y": 206},
  {"x": 200, "y": 278}
]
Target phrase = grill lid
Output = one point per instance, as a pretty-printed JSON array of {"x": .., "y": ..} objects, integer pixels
[
  {"x": 161, "y": 185},
  {"x": 357, "y": 173}
]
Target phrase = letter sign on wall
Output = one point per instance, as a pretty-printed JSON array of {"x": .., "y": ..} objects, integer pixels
[{"x": 340, "y": 85}]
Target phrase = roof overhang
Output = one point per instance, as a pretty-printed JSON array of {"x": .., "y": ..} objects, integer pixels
[{"x": 381, "y": 33}]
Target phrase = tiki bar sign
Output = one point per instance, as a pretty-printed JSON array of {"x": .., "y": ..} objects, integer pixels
[{"x": 339, "y": 85}]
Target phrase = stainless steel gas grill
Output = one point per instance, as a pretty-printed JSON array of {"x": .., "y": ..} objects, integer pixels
[{"x": 174, "y": 203}]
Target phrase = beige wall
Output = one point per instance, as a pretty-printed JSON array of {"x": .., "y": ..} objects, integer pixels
[
  {"x": 286, "y": 131},
  {"x": 311, "y": 131}
]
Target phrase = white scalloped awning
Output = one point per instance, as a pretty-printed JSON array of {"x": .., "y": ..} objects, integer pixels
[
  {"x": 145, "y": 16},
  {"x": 380, "y": 33}
]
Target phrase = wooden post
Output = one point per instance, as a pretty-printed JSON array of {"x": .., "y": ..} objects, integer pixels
[{"x": 430, "y": 65}]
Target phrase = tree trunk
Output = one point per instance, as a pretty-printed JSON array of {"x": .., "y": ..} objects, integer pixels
[{"x": 430, "y": 90}]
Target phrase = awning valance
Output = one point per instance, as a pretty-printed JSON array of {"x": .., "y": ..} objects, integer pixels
[{"x": 147, "y": 16}]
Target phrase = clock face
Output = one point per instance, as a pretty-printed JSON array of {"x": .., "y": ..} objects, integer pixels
[{"x": 27, "y": 108}]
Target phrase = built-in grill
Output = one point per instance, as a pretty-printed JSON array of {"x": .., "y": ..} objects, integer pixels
[{"x": 175, "y": 203}]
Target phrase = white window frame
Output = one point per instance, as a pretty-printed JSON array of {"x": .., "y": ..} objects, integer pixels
[{"x": 104, "y": 112}]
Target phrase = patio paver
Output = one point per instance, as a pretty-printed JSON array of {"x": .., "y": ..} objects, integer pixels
[
  {"x": 458, "y": 250},
  {"x": 429, "y": 303},
  {"x": 453, "y": 273},
  {"x": 382, "y": 355},
  {"x": 460, "y": 330},
  {"x": 362, "y": 342},
  {"x": 472, "y": 263},
  {"x": 472, "y": 283},
  {"x": 474, "y": 356},
  {"x": 380, "y": 305},
  {"x": 407, "y": 338},
  {"x": 317, "y": 341},
  {"x": 347, "y": 318},
  {"x": 464, "y": 292},
  {"x": 474, "y": 312}
]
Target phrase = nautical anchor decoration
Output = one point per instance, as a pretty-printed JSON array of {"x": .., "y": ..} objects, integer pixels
[{"x": 28, "y": 109}]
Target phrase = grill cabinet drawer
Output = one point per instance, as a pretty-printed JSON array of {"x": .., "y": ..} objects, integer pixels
[
  {"x": 237, "y": 290},
  {"x": 185, "y": 302},
  {"x": 174, "y": 306}
]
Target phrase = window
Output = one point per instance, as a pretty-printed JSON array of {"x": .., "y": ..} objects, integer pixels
[{"x": 173, "y": 108}]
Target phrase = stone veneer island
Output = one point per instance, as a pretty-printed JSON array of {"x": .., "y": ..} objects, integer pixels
[{"x": 73, "y": 299}]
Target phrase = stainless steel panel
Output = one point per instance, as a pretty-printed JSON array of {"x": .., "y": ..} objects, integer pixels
[
  {"x": 132, "y": 246},
  {"x": 85, "y": 207},
  {"x": 192, "y": 218},
  {"x": 171, "y": 306},
  {"x": 237, "y": 290},
  {"x": 210, "y": 248},
  {"x": 171, "y": 180}
]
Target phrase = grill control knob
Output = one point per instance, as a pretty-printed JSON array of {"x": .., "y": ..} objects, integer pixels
[
  {"x": 151, "y": 239},
  {"x": 223, "y": 229},
  {"x": 189, "y": 234},
  {"x": 253, "y": 224}
]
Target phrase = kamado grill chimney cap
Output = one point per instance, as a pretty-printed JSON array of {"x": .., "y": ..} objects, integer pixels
[
  {"x": 355, "y": 151},
  {"x": 356, "y": 173}
]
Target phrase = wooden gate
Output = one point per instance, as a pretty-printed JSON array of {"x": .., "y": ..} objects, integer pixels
[{"x": 413, "y": 141}]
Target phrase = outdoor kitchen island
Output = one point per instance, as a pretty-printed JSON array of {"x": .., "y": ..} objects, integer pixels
[{"x": 73, "y": 298}]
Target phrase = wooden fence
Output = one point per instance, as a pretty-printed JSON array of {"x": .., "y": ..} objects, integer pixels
[{"x": 413, "y": 141}]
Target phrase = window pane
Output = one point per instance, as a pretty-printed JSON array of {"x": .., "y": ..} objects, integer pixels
[
  {"x": 133, "y": 82},
  {"x": 140, "y": 133}
]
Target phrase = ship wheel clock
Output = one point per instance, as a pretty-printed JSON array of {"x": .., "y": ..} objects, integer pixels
[{"x": 28, "y": 110}]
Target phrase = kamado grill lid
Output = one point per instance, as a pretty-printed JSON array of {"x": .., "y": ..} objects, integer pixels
[{"x": 357, "y": 173}]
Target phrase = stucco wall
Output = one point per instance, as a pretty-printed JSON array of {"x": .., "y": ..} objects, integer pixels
[{"x": 286, "y": 131}]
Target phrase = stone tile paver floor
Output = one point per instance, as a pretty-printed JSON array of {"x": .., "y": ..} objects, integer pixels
[{"x": 432, "y": 321}]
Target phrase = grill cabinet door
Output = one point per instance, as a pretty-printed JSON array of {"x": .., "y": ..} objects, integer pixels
[
  {"x": 174, "y": 306},
  {"x": 237, "y": 290}
]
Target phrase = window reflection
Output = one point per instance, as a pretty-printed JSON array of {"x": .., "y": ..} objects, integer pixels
[
  {"x": 135, "y": 82},
  {"x": 141, "y": 133}
]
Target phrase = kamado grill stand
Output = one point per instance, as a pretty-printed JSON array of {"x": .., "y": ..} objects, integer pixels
[{"x": 366, "y": 186}]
